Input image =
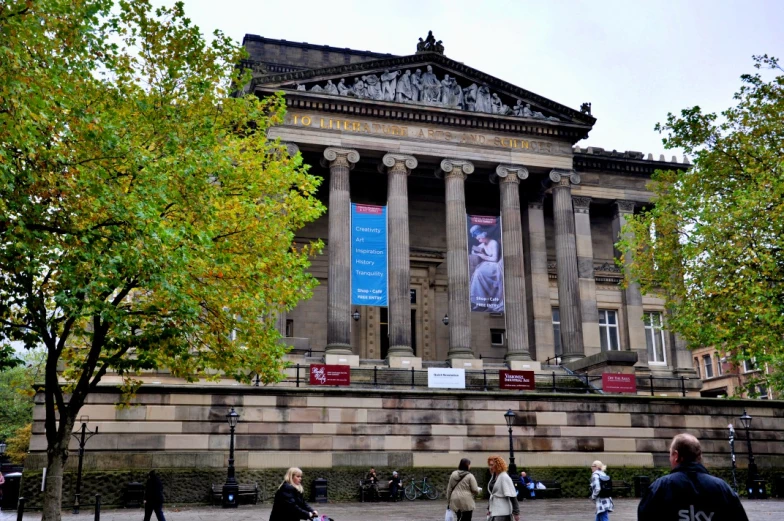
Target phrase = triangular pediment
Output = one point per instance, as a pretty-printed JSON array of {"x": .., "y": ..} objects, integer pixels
[{"x": 425, "y": 80}]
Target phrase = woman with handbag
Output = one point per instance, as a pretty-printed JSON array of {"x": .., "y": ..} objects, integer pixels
[
  {"x": 289, "y": 503},
  {"x": 503, "y": 505},
  {"x": 461, "y": 491}
]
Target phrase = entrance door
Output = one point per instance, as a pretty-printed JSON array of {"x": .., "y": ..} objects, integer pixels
[{"x": 384, "y": 331}]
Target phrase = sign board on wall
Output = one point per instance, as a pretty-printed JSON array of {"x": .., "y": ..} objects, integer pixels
[
  {"x": 446, "y": 378},
  {"x": 323, "y": 374},
  {"x": 522, "y": 380},
  {"x": 368, "y": 255},
  {"x": 619, "y": 383}
]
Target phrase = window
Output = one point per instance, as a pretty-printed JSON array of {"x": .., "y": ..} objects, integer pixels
[
  {"x": 608, "y": 329},
  {"x": 719, "y": 365},
  {"x": 697, "y": 367},
  {"x": 289, "y": 327},
  {"x": 654, "y": 337},
  {"x": 557, "y": 331},
  {"x": 763, "y": 392},
  {"x": 498, "y": 337},
  {"x": 749, "y": 365},
  {"x": 708, "y": 363}
]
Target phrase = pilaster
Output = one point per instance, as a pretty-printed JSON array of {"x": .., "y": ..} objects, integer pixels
[{"x": 540, "y": 312}]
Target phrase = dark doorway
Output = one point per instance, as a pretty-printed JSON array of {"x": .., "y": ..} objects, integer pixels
[{"x": 384, "y": 332}]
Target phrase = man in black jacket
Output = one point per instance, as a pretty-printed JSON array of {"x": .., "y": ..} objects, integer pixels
[
  {"x": 153, "y": 497},
  {"x": 689, "y": 493}
]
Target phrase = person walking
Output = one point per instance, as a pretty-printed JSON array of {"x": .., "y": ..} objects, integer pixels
[
  {"x": 461, "y": 490},
  {"x": 604, "y": 505},
  {"x": 153, "y": 497},
  {"x": 503, "y": 505},
  {"x": 289, "y": 503},
  {"x": 689, "y": 492}
]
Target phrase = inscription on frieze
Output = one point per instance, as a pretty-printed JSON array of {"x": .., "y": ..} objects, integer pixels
[{"x": 425, "y": 133}]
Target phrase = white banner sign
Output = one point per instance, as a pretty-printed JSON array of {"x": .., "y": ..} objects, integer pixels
[{"x": 446, "y": 378}]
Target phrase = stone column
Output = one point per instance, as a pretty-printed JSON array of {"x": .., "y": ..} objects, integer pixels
[
  {"x": 455, "y": 172},
  {"x": 632, "y": 296},
  {"x": 340, "y": 162},
  {"x": 538, "y": 299},
  {"x": 514, "y": 271},
  {"x": 590, "y": 310},
  {"x": 398, "y": 167},
  {"x": 566, "y": 264}
]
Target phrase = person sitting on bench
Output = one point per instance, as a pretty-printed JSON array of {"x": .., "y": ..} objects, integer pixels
[{"x": 395, "y": 485}]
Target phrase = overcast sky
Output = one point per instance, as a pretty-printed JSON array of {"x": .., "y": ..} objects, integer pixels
[{"x": 635, "y": 61}]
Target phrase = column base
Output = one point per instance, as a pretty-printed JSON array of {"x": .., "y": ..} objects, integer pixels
[
  {"x": 404, "y": 351},
  {"x": 524, "y": 365},
  {"x": 524, "y": 356},
  {"x": 337, "y": 359},
  {"x": 338, "y": 349},
  {"x": 466, "y": 363},
  {"x": 404, "y": 362}
]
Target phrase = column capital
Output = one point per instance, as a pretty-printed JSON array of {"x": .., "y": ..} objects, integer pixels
[
  {"x": 455, "y": 167},
  {"x": 291, "y": 148},
  {"x": 621, "y": 206},
  {"x": 564, "y": 177},
  {"x": 398, "y": 163},
  {"x": 518, "y": 173},
  {"x": 581, "y": 204},
  {"x": 340, "y": 157}
]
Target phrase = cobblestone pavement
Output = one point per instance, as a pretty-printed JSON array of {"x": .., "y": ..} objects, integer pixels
[{"x": 542, "y": 510}]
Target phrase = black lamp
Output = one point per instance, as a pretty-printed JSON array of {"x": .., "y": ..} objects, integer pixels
[
  {"x": 355, "y": 315},
  {"x": 509, "y": 416},
  {"x": 231, "y": 488},
  {"x": 445, "y": 320},
  {"x": 755, "y": 489}
]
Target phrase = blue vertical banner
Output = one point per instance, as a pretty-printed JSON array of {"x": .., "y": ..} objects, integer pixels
[{"x": 369, "y": 274}]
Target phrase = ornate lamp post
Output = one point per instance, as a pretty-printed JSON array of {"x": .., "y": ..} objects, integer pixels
[
  {"x": 509, "y": 416},
  {"x": 231, "y": 488},
  {"x": 732, "y": 453},
  {"x": 82, "y": 440},
  {"x": 745, "y": 420}
]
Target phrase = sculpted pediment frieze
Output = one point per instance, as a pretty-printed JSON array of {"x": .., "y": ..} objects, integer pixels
[{"x": 426, "y": 79}]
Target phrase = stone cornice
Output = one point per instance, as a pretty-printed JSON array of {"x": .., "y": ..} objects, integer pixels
[
  {"x": 623, "y": 165},
  {"x": 276, "y": 80}
]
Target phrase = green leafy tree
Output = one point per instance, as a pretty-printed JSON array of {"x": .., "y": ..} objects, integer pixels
[
  {"x": 713, "y": 241},
  {"x": 17, "y": 392},
  {"x": 146, "y": 221}
]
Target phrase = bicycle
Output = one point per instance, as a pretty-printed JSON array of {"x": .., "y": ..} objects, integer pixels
[{"x": 414, "y": 490}]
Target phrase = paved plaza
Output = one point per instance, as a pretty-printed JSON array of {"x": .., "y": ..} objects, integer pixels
[{"x": 542, "y": 510}]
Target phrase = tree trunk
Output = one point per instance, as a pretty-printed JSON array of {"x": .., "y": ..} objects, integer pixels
[{"x": 57, "y": 456}]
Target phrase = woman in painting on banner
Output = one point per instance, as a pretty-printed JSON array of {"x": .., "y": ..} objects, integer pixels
[{"x": 487, "y": 277}]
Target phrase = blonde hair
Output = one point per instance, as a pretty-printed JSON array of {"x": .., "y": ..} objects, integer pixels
[
  {"x": 288, "y": 478},
  {"x": 598, "y": 464},
  {"x": 499, "y": 463}
]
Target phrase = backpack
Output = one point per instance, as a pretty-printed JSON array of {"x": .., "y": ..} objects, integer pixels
[{"x": 605, "y": 486}]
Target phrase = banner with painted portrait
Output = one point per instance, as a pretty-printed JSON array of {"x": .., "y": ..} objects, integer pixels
[{"x": 485, "y": 264}]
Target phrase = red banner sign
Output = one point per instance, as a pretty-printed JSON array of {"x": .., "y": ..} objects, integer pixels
[
  {"x": 323, "y": 374},
  {"x": 517, "y": 380},
  {"x": 619, "y": 383}
]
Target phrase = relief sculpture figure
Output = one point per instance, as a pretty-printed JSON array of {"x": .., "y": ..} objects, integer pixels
[
  {"x": 416, "y": 85},
  {"x": 498, "y": 106},
  {"x": 451, "y": 93},
  {"x": 344, "y": 90},
  {"x": 316, "y": 88},
  {"x": 360, "y": 90},
  {"x": 431, "y": 88},
  {"x": 469, "y": 97},
  {"x": 389, "y": 84},
  {"x": 404, "y": 90},
  {"x": 373, "y": 87},
  {"x": 484, "y": 102},
  {"x": 330, "y": 88}
]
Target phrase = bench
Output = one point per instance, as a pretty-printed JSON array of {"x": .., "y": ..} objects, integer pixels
[
  {"x": 553, "y": 490},
  {"x": 365, "y": 490},
  {"x": 620, "y": 488},
  {"x": 246, "y": 490}
]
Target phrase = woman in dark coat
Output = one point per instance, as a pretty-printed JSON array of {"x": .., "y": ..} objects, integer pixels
[
  {"x": 289, "y": 504},
  {"x": 153, "y": 497}
]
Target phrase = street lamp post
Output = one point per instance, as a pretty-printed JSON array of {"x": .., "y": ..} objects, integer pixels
[
  {"x": 732, "y": 454},
  {"x": 82, "y": 441},
  {"x": 231, "y": 488},
  {"x": 752, "y": 473},
  {"x": 509, "y": 416}
]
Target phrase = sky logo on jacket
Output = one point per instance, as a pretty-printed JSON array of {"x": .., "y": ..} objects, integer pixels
[{"x": 691, "y": 515}]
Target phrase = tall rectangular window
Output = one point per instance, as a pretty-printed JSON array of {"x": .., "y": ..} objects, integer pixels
[
  {"x": 557, "y": 331},
  {"x": 654, "y": 337},
  {"x": 719, "y": 365},
  {"x": 697, "y": 367},
  {"x": 706, "y": 361},
  {"x": 749, "y": 365},
  {"x": 608, "y": 329}
]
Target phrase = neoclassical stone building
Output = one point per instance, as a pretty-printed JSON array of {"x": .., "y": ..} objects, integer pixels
[{"x": 436, "y": 143}]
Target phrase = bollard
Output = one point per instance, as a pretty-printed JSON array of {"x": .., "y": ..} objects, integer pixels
[
  {"x": 97, "y": 507},
  {"x": 375, "y": 376},
  {"x": 20, "y": 509},
  {"x": 651, "y": 377},
  {"x": 683, "y": 385},
  {"x": 412, "y": 377},
  {"x": 553, "y": 381},
  {"x": 484, "y": 378},
  {"x": 297, "y": 375}
]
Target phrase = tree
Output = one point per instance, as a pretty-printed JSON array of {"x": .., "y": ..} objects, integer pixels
[
  {"x": 713, "y": 242},
  {"x": 16, "y": 394},
  {"x": 146, "y": 220}
]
